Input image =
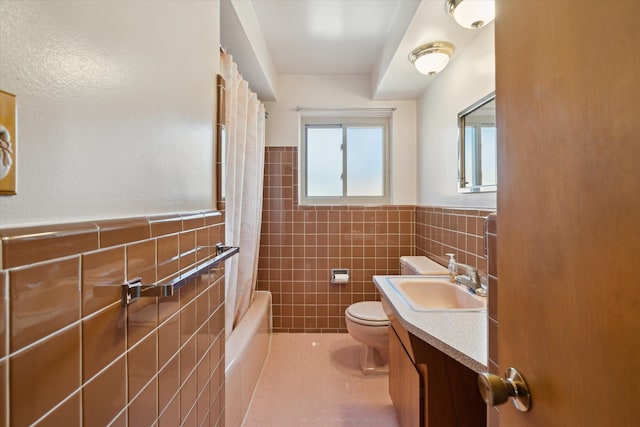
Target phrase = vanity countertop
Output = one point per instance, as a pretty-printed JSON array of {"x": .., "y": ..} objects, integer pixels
[{"x": 460, "y": 335}]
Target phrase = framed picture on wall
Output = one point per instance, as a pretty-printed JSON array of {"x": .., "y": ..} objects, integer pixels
[{"x": 8, "y": 143}]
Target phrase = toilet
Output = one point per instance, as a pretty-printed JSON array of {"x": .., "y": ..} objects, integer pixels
[{"x": 368, "y": 324}]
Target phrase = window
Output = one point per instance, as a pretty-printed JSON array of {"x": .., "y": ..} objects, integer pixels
[{"x": 345, "y": 161}]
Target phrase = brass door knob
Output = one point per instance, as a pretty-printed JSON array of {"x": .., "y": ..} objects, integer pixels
[{"x": 496, "y": 391}]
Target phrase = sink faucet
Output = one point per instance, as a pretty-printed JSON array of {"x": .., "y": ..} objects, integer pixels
[{"x": 471, "y": 279}]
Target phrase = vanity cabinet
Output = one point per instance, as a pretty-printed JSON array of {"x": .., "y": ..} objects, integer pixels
[
  {"x": 405, "y": 384},
  {"x": 429, "y": 388}
]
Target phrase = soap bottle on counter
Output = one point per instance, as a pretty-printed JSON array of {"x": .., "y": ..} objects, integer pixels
[{"x": 452, "y": 268}]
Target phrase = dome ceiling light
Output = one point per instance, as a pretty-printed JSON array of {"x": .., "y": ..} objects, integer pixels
[
  {"x": 431, "y": 58},
  {"x": 471, "y": 14}
]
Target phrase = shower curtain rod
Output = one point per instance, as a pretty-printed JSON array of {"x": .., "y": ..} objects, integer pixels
[{"x": 383, "y": 109}]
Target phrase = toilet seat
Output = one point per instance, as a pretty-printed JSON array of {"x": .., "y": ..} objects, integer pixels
[{"x": 369, "y": 313}]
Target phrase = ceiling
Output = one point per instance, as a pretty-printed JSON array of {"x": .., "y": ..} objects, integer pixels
[
  {"x": 327, "y": 37},
  {"x": 371, "y": 37}
]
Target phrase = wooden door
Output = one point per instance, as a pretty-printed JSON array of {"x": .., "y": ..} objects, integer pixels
[{"x": 568, "y": 115}]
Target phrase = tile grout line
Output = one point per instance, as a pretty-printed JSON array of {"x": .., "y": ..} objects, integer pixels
[
  {"x": 157, "y": 329},
  {"x": 80, "y": 346},
  {"x": 126, "y": 341},
  {"x": 39, "y": 341},
  {"x": 7, "y": 371},
  {"x": 60, "y": 404},
  {"x": 122, "y": 411}
]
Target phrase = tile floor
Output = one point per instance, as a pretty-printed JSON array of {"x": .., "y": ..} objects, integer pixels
[{"x": 314, "y": 379}]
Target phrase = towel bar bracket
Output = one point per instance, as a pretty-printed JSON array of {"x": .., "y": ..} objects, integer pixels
[
  {"x": 131, "y": 291},
  {"x": 134, "y": 289}
]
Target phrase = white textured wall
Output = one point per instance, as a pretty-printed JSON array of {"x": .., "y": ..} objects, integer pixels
[
  {"x": 465, "y": 80},
  {"x": 115, "y": 107},
  {"x": 346, "y": 91}
]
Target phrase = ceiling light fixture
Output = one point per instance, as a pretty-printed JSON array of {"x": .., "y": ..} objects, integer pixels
[
  {"x": 471, "y": 13},
  {"x": 431, "y": 58}
]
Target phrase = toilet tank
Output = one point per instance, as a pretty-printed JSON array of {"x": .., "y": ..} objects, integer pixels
[{"x": 420, "y": 265}]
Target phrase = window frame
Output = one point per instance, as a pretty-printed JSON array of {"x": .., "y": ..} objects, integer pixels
[{"x": 345, "y": 121}]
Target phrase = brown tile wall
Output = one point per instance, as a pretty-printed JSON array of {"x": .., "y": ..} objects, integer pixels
[
  {"x": 492, "y": 261},
  {"x": 451, "y": 230},
  {"x": 301, "y": 244},
  {"x": 71, "y": 354}
]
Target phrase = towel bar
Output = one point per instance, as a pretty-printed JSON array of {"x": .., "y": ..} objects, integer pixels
[{"x": 134, "y": 289}]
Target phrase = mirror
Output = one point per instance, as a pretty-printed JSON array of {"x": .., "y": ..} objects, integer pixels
[{"x": 477, "y": 147}]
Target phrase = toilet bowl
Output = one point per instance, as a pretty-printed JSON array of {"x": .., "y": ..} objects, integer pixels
[{"x": 368, "y": 324}]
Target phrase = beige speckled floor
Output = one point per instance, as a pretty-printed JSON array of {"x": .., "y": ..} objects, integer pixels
[{"x": 314, "y": 379}]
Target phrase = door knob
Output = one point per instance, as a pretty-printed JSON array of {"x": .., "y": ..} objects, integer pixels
[{"x": 496, "y": 391}]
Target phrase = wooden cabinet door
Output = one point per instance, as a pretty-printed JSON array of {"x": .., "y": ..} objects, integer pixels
[
  {"x": 568, "y": 116},
  {"x": 405, "y": 384}
]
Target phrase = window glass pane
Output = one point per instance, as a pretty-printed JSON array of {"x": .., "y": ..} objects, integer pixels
[
  {"x": 488, "y": 152},
  {"x": 365, "y": 161},
  {"x": 469, "y": 155},
  {"x": 324, "y": 161}
]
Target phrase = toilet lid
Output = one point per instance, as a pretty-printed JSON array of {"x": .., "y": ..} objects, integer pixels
[{"x": 371, "y": 311}]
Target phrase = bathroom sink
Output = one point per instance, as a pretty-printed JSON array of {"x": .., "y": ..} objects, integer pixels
[{"x": 423, "y": 293}]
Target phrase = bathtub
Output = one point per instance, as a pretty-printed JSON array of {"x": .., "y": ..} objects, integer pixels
[{"x": 245, "y": 353}]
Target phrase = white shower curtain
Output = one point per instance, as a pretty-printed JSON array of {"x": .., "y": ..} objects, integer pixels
[{"x": 245, "y": 121}]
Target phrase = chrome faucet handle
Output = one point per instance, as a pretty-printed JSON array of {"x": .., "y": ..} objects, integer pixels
[
  {"x": 471, "y": 279},
  {"x": 470, "y": 270}
]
